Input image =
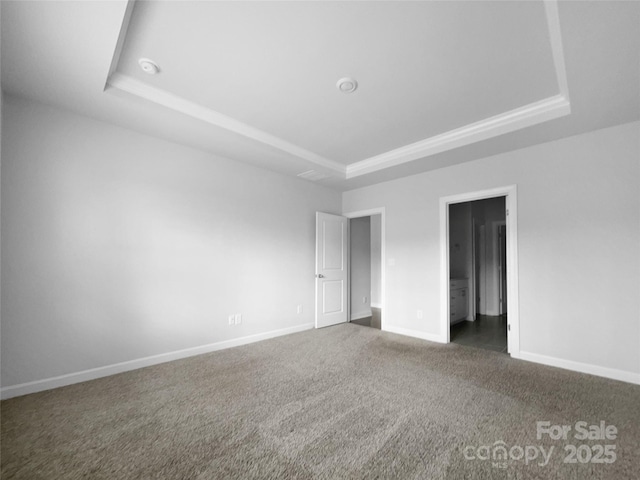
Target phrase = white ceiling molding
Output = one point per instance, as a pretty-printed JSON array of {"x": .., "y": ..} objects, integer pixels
[
  {"x": 513, "y": 120},
  {"x": 555, "y": 36},
  {"x": 526, "y": 116},
  {"x": 124, "y": 27},
  {"x": 516, "y": 119},
  {"x": 197, "y": 111}
]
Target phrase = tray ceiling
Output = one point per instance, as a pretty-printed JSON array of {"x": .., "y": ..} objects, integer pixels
[
  {"x": 440, "y": 83},
  {"x": 431, "y": 75}
]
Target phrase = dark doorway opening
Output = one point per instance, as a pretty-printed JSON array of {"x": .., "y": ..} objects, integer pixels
[
  {"x": 478, "y": 274},
  {"x": 365, "y": 278}
]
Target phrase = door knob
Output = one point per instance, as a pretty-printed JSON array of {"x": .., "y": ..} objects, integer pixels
[{"x": 319, "y": 275}]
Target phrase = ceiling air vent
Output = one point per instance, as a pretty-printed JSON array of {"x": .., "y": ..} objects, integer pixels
[{"x": 312, "y": 175}]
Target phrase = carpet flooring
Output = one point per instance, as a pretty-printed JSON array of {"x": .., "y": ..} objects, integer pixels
[{"x": 340, "y": 402}]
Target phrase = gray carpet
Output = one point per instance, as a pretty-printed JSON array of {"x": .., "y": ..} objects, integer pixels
[{"x": 341, "y": 402}]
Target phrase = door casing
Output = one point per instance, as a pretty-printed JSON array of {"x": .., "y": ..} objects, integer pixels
[
  {"x": 498, "y": 266},
  {"x": 511, "y": 205}
]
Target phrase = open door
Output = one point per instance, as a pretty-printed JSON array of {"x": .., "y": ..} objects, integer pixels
[{"x": 331, "y": 269}]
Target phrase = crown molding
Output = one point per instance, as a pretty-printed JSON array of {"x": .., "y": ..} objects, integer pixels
[
  {"x": 526, "y": 116},
  {"x": 557, "y": 50},
  {"x": 122, "y": 35},
  {"x": 161, "y": 97},
  {"x": 522, "y": 117},
  {"x": 532, "y": 114}
]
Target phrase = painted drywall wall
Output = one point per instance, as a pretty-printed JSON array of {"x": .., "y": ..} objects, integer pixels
[
  {"x": 360, "y": 275},
  {"x": 376, "y": 261},
  {"x": 117, "y": 245},
  {"x": 578, "y": 241}
]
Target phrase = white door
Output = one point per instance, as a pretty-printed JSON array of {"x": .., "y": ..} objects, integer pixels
[{"x": 331, "y": 269}]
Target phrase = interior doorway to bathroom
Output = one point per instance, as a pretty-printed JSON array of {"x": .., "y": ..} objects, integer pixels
[{"x": 478, "y": 273}]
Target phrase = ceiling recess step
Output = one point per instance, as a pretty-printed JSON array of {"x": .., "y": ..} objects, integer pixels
[{"x": 313, "y": 175}]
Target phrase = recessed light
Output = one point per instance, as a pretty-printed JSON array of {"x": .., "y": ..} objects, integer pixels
[
  {"x": 347, "y": 85},
  {"x": 148, "y": 66}
]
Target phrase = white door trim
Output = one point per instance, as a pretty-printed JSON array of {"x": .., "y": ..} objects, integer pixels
[
  {"x": 383, "y": 263},
  {"x": 511, "y": 203},
  {"x": 496, "y": 252}
]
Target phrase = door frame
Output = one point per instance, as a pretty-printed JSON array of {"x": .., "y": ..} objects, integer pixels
[
  {"x": 496, "y": 254},
  {"x": 367, "y": 213},
  {"x": 511, "y": 206}
]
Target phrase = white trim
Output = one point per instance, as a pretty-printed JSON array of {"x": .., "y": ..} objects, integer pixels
[
  {"x": 161, "y": 97},
  {"x": 522, "y": 117},
  {"x": 365, "y": 213},
  {"x": 496, "y": 266},
  {"x": 407, "y": 332},
  {"x": 513, "y": 275},
  {"x": 557, "y": 50},
  {"x": 591, "y": 369},
  {"x": 94, "y": 373},
  {"x": 513, "y": 305},
  {"x": 122, "y": 35},
  {"x": 383, "y": 263},
  {"x": 358, "y": 316},
  {"x": 445, "y": 282},
  {"x": 516, "y": 119},
  {"x": 376, "y": 305}
]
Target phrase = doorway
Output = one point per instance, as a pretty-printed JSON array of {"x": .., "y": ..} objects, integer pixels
[
  {"x": 477, "y": 241},
  {"x": 479, "y": 272},
  {"x": 376, "y": 289},
  {"x": 365, "y": 306},
  {"x": 333, "y": 303}
]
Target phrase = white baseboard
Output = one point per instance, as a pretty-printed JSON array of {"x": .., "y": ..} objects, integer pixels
[
  {"x": 376, "y": 305},
  {"x": 432, "y": 337},
  {"x": 94, "y": 373},
  {"x": 591, "y": 369},
  {"x": 358, "y": 316}
]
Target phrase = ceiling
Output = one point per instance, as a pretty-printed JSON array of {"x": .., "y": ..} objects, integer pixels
[{"x": 439, "y": 83}]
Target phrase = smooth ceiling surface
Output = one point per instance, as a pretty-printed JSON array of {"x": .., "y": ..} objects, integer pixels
[
  {"x": 423, "y": 68},
  {"x": 255, "y": 81}
]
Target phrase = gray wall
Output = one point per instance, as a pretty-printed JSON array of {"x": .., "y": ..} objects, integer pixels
[
  {"x": 117, "y": 245},
  {"x": 578, "y": 240}
]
